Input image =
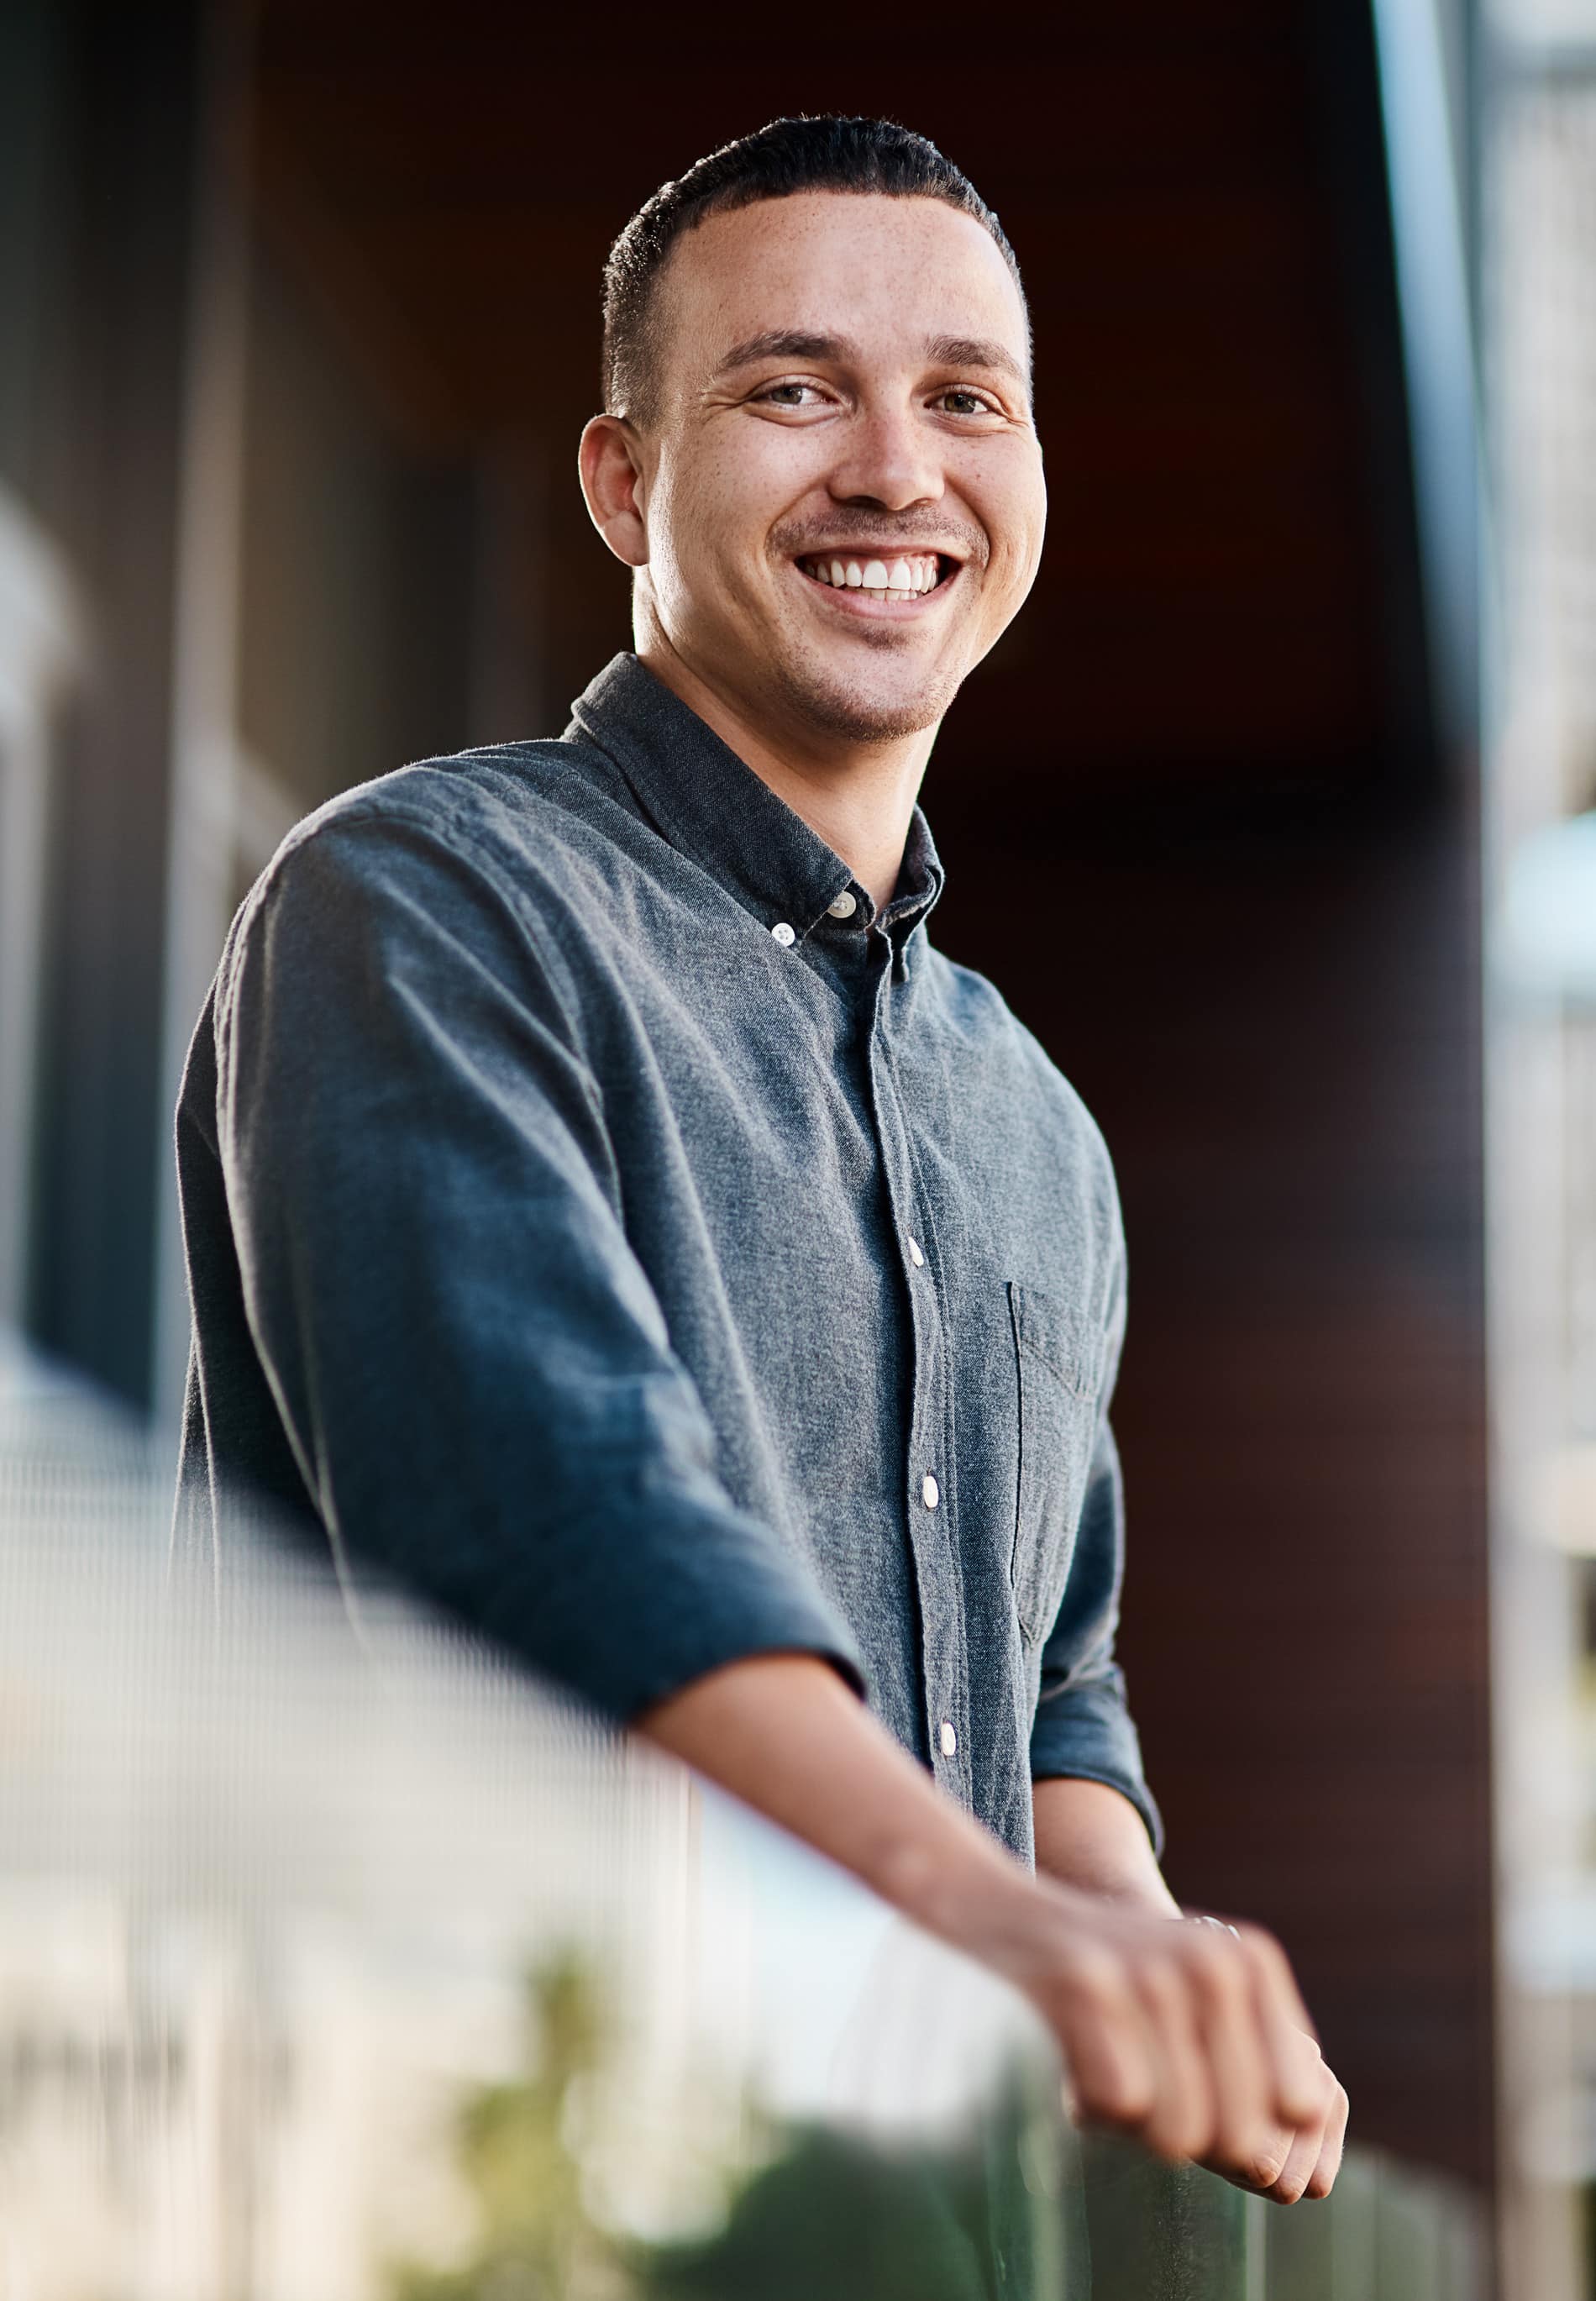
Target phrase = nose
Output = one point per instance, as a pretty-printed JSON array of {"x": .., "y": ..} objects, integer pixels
[{"x": 889, "y": 458}]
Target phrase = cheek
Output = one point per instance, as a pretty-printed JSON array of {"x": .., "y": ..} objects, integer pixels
[
  {"x": 745, "y": 485},
  {"x": 1027, "y": 513},
  {"x": 712, "y": 525},
  {"x": 1009, "y": 497}
]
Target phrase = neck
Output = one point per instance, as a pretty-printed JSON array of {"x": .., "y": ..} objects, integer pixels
[{"x": 858, "y": 797}]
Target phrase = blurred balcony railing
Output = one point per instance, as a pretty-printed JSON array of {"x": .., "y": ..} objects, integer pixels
[{"x": 338, "y": 1964}]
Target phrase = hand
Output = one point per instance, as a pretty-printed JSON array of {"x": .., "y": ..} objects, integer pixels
[
  {"x": 1303, "y": 2163},
  {"x": 1194, "y": 2041}
]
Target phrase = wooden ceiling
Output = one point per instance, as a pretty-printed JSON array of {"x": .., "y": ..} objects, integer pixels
[{"x": 1217, "y": 607}]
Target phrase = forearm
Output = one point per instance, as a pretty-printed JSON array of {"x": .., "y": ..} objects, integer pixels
[
  {"x": 783, "y": 1733},
  {"x": 1184, "y": 2037},
  {"x": 1089, "y": 1836}
]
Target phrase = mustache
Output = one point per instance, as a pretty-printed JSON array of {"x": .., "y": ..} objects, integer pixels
[{"x": 896, "y": 532}]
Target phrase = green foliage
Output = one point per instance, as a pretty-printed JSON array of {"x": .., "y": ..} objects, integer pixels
[
  {"x": 536, "y": 2241},
  {"x": 832, "y": 2216},
  {"x": 826, "y": 2217}
]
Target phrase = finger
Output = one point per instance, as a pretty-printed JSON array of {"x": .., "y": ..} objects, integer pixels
[
  {"x": 1247, "y": 2137},
  {"x": 1181, "y": 2123},
  {"x": 1302, "y": 2156},
  {"x": 1260, "y": 2167},
  {"x": 1288, "y": 2034},
  {"x": 1107, "y": 2050},
  {"x": 1322, "y": 2180},
  {"x": 1307, "y": 2146},
  {"x": 1272, "y": 1961}
]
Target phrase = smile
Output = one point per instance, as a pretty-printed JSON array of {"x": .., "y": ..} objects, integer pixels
[{"x": 895, "y": 580}]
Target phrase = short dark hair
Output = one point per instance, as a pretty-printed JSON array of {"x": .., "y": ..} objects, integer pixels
[{"x": 824, "y": 153}]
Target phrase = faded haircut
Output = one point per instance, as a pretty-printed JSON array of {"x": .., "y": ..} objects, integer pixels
[{"x": 825, "y": 153}]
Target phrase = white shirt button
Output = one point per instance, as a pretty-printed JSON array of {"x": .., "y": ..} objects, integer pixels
[
  {"x": 949, "y": 1738},
  {"x": 930, "y": 1494},
  {"x": 783, "y": 935},
  {"x": 915, "y": 1257},
  {"x": 843, "y": 907}
]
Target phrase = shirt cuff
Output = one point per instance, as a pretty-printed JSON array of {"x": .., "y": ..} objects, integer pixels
[
  {"x": 1086, "y": 1734},
  {"x": 632, "y": 1606}
]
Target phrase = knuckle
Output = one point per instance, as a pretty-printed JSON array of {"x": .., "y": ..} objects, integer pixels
[
  {"x": 1160, "y": 1981},
  {"x": 1095, "y": 1974},
  {"x": 1264, "y": 1953},
  {"x": 1119, "y": 2100},
  {"x": 1205, "y": 1950},
  {"x": 1264, "y": 2164},
  {"x": 1218, "y": 1973}
]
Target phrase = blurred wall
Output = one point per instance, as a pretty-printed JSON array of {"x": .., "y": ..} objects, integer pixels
[
  {"x": 1200, "y": 822},
  {"x": 354, "y": 622}
]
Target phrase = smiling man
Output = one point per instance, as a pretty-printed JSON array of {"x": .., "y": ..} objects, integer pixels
[{"x": 607, "y": 1209}]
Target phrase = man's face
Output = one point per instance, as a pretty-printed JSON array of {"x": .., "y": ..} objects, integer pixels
[{"x": 842, "y": 488}]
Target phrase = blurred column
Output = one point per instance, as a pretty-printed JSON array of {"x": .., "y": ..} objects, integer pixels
[
  {"x": 1539, "y": 207},
  {"x": 108, "y": 392},
  {"x": 206, "y": 795},
  {"x": 41, "y": 626},
  {"x": 41, "y": 648}
]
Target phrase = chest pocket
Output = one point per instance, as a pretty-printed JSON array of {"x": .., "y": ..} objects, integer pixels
[{"x": 1057, "y": 1361}]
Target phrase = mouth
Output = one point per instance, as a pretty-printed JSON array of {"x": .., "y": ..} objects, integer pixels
[{"x": 874, "y": 581}]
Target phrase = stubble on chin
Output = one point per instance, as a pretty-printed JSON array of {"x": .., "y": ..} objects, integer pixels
[{"x": 855, "y": 710}]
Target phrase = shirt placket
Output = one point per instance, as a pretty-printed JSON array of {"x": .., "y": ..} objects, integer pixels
[{"x": 932, "y": 1485}]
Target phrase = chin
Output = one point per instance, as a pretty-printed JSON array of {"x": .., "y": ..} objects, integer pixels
[{"x": 859, "y": 711}]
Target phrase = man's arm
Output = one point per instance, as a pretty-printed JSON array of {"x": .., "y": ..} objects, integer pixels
[
  {"x": 1090, "y": 1837},
  {"x": 1191, "y": 2039},
  {"x": 471, "y": 1366}
]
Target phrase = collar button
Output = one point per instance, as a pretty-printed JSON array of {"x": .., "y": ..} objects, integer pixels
[{"x": 843, "y": 906}]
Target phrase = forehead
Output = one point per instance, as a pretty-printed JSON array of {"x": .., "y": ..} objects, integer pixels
[{"x": 881, "y": 271}]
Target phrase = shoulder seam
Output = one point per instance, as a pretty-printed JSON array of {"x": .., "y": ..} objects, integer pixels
[{"x": 451, "y": 842}]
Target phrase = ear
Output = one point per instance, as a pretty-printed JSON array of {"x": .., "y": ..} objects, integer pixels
[{"x": 612, "y": 473}]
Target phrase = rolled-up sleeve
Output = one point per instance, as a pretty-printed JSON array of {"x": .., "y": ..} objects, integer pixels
[
  {"x": 1083, "y": 1729},
  {"x": 471, "y": 1368}
]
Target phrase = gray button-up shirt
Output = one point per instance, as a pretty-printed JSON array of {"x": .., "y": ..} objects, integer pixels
[{"x": 601, "y": 1214}]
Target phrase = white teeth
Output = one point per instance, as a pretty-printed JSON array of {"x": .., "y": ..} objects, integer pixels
[{"x": 905, "y": 577}]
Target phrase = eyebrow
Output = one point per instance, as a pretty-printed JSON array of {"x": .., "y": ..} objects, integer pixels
[
  {"x": 799, "y": 343},
  {"x": 782, "y": 343},
  {"x": 975, "y": 351}
]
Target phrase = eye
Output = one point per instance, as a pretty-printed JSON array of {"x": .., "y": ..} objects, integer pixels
[
  {"x": 788, "y": 395},
  {"x": 968, "y": 402}
]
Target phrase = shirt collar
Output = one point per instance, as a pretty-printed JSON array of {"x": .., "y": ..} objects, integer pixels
[{"x": 710, "y": 805}]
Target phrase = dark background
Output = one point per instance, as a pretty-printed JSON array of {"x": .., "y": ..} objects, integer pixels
[{"x": 1202, "y": 824}]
